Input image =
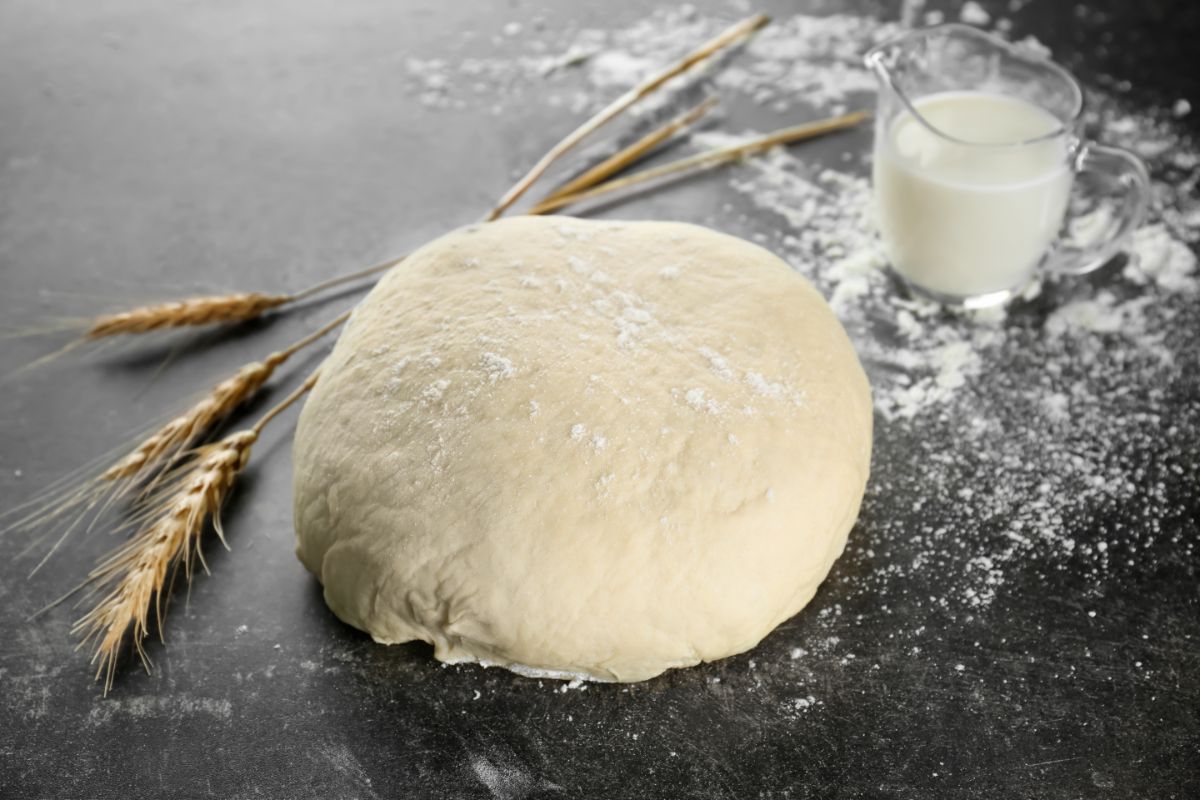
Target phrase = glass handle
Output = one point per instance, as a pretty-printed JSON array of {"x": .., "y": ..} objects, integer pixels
[{"x": 1120, "y": 188}]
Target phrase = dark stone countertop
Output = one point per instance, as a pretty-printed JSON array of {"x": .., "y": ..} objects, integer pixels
[{"x": 153, "y": 150}]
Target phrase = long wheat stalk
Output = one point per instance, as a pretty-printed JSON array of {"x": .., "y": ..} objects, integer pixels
[
  {"x": 726, "y": 38},
  {"x": 212, "y": 309},
  {"x": 134, "y": 577},
  {"x": 707, "y": 159},
  {"x": 631, "y": 154}
]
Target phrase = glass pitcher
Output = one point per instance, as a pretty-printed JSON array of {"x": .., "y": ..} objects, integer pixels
[{"x": 976, "y": 155}]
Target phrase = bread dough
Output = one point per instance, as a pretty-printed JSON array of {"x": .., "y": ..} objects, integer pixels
[{"x": 582, "y": 448}]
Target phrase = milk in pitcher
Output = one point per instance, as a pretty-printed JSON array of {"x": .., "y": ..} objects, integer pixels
[{"x": 965, "y": 212}]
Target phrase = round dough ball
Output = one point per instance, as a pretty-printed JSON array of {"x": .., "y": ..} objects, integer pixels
[{"x": 582, "y": 448}]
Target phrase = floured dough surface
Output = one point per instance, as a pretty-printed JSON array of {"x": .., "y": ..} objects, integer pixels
[{"x": 582, "y": 448}]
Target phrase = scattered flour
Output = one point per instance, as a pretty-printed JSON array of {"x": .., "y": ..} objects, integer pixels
[
  {"x": 504, "y": 781},
  {"x": 773, "y": 389},
  {"x": 618, "y": 69},
  {"x": 497, "y": 367},
  {"x": 717, "y": 363},
  {"x": 434, "y": 391},
  {"x": 974, "y": 14},
  {"x": 804, "y": 703},
  {"x": 697, "y": 399},
  {"x": 182, "y": 705},
  {"x": 1158, "y": 256}
]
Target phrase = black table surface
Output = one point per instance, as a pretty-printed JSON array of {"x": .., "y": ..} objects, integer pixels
[{"x": 154, "y": 150}]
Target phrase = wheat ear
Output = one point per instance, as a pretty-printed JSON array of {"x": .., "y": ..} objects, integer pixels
[
  {"x": 210, "y": 310},
  {"x": 135, "y": 574},
  {"x": 184, "y": 313},
  {"x": 161, "y": 447},
  {"x": 145, "y": 465},
  {"x": 134, "y": 577}
]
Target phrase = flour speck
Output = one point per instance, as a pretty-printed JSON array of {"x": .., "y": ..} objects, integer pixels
[
  {"x": 434, "y": 391},
  {"x": 497, "y": 367},
  {"x": 717, "y": 363}
]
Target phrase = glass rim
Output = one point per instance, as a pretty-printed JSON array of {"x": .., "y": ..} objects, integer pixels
[{"x": 874, "y": 59}]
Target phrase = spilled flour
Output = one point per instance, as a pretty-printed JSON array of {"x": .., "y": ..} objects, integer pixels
[
  {"x": 1010, "y": 437},
  {"x": 135, "y": 708}
]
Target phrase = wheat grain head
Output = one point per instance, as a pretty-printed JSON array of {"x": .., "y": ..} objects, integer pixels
[
  {"x": 182, "y": 313},
  {"x": 134, "y": 576},
  {"x": 64, "y": 510},
  {"x": 164, "y": 445}
]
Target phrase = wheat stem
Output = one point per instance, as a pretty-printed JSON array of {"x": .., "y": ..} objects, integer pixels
[
  {"x": 283, "y": 404},
  {"x": 723, "y": 40},
  {"x": 305, "y": 341},
  {"x": 338, "y": 280},
  {"x": 628, "y": 155},
  {"x": 707, "y": 159}
]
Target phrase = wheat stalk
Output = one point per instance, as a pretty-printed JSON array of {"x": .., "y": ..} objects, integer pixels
[
  {"x": 707, "y": 159},
  {"x": 726, "y": 38},
  {"x": 628, "y": 155},
  {"x": 133, "y": 578},
  {"x": 344, "y": 278}
]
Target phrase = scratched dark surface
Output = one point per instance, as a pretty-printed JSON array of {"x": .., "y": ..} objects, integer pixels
[{"x": 151, "y": 149}]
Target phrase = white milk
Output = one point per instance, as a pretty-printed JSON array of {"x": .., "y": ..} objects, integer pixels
[{"x": 964, "y": 220}]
